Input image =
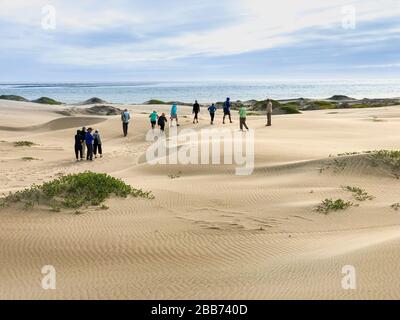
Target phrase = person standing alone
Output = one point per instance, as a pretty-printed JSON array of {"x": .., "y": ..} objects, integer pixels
[
  {"x": 269, "y": 113},
  {"x": 125, "y": 118},
  {"x": 196, "y": 110}
]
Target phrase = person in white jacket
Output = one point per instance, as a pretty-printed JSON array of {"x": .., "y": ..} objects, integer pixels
[{"x": 97, "y": 145}]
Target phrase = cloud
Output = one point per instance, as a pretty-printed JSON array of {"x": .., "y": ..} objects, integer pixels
[{"x": 149, "y": 34}]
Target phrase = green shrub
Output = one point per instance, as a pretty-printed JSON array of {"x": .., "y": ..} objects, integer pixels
[
  {"x": 29, "y": 158},
  {"x": 23, "y": 144},
  {"x": 262, "y": 105},
  {"x": 290, "y": 109},
  {"x": 46, "y": 100},
  {"x": 155, "y": 101},
  {"x": 320, "y": 105},
  {"x": 75, "y": 191},
  {"x": 13, "y": 98},
  {"x": 359, "y": 194},
  {"x": 329, "y": 205},
  {"x": 389, "y": 158}
]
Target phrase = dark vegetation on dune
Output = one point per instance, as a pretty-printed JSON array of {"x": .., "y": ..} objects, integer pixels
[
  {"x": 94, "y": 100},
  {"x": 13, "y": 98},
  {"x": 103, "y": 110},
  {"x": 73, "y": 191},
  {"x": 291, "y": 106},
  {"x": 46, "y": 100}
]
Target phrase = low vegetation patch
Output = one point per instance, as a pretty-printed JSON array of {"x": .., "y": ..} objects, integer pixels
[
  {"x": 395, "y": 206},
  {"x": 46, "y": 100},
  {"x": 329, "y": 205},
  {"x": 388, "y": 158},
  {"x": 320, "y": 105},
  {"x": 13, "y": 98},
  {"x": 358, "y": 193},
  {"x": 23, "y": 144},
  {"x": 74, "y": 191},
  {"x": 175, "y": 176},
  {"x": 29, "y": 159},
  {"x": 155, "y": 101},
  {"x": 289, "y": 109}
]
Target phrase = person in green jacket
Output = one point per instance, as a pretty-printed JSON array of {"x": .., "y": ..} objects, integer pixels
[
  {"x": 153, "y": 119},
  {"x": 242, "y": 116}
]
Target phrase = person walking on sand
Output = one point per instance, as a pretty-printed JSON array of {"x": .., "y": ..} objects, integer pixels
[
  {"x": 212, "y": 109},
  {"x": 161, "y": 122},
  {"x": 78, "y": 146},
  {"x": 97, "y": 145},
  {"x": 227, "y": 110},
  {"x": 242, "y": 116},
  {"x": 174, "y": 114},
  {"x": 125, "y": 118},
  {"x": 196, "y": 110},
  {"x": 153, "y": 119},
  {"x": 83, "y": 133},
  {"x": 269, "y": 113},
  {"x": 89, "y": 144}
]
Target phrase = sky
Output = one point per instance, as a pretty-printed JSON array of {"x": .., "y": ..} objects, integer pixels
[{"x": 190, "y": 40}]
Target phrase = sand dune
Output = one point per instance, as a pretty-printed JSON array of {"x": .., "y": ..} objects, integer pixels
[
  {"x": 208, "y": 234},
  {"x": 57, "y": 124}
]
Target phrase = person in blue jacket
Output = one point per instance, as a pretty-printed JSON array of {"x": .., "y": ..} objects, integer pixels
[
  {"x": 227, "y": 110},
  {"x": 174, "y": 114},
  {"x": 212, "y": 109},
  {"x": 89, "y": 144}
]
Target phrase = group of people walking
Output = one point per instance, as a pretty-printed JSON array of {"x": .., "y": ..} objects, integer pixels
[
  {"x": 88, "y": 144},
  {"x": 227, "y": 113}
]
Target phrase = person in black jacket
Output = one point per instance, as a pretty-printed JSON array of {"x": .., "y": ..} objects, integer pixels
[
  {"x": 78, "y": 145},
  {"x": 161, "y": 122},
  {"x": 196, "y": 110}
]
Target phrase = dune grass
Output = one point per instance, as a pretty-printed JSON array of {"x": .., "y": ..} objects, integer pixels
[
  {"x": 395, "y": 206},
  {"x": 23, "y": 144},
  {"x": 358, "y": 193},
  {"x": 290, "y": 109},
  {"x": 389, "y": 158},
  {"x": 29, "y": 158},
  {"x": 328, "y": 205},
  {"x": 74, "y": 191}
]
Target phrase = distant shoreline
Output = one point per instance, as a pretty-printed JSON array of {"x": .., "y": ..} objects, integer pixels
[{"x": 282, "y": 106}]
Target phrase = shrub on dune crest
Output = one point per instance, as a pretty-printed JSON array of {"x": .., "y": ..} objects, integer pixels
[
  {"x": 389, "y": 158},
  {"x": 74, "y": 191},
  {"x": 358, "y": 193},
  {"x": 23, "y": 144},
  {"x": 329, "y": 205}
]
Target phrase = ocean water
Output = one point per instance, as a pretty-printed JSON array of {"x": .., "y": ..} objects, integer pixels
[{"x": 210, "y": 91}]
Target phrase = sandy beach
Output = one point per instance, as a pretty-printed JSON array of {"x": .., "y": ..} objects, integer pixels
[{"x": 208, "y": 234}]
